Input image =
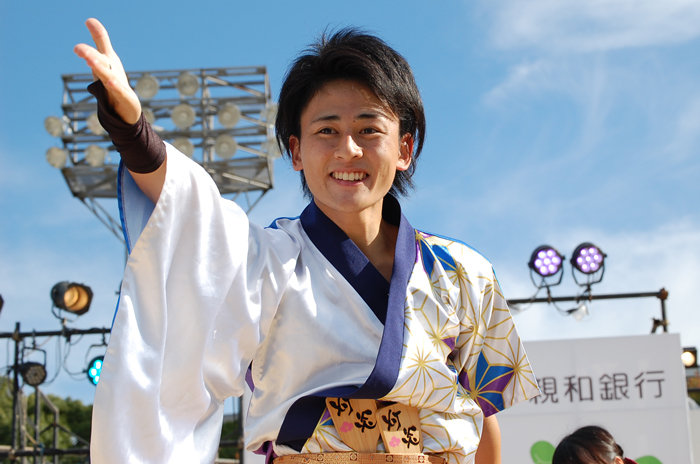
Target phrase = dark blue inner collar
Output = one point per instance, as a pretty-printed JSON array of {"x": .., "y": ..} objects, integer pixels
[{"x": 347, "y": 258}]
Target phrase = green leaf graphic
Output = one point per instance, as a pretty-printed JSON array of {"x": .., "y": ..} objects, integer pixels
[
  {"x": 542, "y": 453},
  {"x": 647, "y": 460}
]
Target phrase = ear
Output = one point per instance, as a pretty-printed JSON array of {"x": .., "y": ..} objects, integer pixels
[
  {"x": 295, "y": 149},
  {"x": 618, "y": 460},
  {"x": 405, "y": 153}
]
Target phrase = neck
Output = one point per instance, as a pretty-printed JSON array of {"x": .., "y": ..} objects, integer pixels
[{"x": 375, "y": 237}]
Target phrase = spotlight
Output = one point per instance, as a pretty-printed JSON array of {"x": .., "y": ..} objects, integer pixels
[
  {"x": 94, "y": 369},
  {"x": 56, "y": 157},
  {"x": 54, "y": 126},
  {"x": 2, "y": 302},
  {"x": 225, "y": 146},
  {"x": 72, "y": 297},
  {"x": 272, "y": 148},
  {"x": 187, "y": 84},
  {"x": 33, "y": 373},
  {"x": 183, "y": 116},
  {"x": 93, "y": 123},
  {"x": 148, "y": 115},
  {"x": 184, "y": 145},
  {"x": 690, "y": 357},
  {"x": 95, "y": 155},
  {"x": 588, "y": 258},
  {"x": 147, "y": 87},
  {"x": 270, "y": 113},
  {"x": 229, "y": 115},
  {"x": 546, "y": 261}
]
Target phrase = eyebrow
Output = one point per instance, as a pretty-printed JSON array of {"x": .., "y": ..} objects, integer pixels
[{"x": 334, "y": 117}]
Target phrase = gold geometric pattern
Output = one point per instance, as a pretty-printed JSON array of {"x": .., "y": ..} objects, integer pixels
[{"x": 462, "y": 356}]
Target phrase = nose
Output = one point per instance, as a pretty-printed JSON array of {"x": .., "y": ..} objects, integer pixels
[{"x": 348, "y": 149}]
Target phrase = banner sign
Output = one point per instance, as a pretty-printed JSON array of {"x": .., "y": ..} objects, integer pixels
[{"x": 632, "y": 386}]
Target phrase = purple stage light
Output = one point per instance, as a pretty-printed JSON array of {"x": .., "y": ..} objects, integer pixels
[
  {"x": 546, "y": 261},
  {"x": 588, "y": 258}
]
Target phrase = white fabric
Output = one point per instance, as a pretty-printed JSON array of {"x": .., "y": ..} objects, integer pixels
[{"x": 205, "y": 293}]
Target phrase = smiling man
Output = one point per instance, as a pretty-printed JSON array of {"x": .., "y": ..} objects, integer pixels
[{"x": 356, "y": 332}]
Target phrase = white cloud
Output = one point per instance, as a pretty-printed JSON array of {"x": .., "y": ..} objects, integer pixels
[
  {"x": 592, "y": 25},
  {"x": 684, "y": 142}
]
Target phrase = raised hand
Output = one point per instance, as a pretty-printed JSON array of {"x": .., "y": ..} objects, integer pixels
[{"x": 107, "y": 67}]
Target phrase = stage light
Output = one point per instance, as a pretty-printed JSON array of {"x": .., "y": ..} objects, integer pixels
[
  {"x": 690, "y": 357},
  {"x": 270, "y": 113},
  {"x": 93, "y": 123},
  {"x": 588, "y": 258},
  {"x": 229, "y": 115},
  {"x": 54, "y": 126},
  {"x": 95, "y": 155},
  {"x": 187, "y": 84},
  {"x": 225, "y": 146},
  {"x": 72, "y": 297},
  {"x": 94, "y": 369},
  {"x": 272, "y": 148},
  {"x": 33, "y": 373},
  {"x": 147, "y": 87},
  {"x": 56, "y": 157},
  {"x": 184, "y": 145},
  {"x": 148, "y": 115},
  {"x": 546, "y": 261},
  {"x": 183, "y": 116}
]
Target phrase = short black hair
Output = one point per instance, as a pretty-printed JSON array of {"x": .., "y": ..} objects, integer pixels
[
  {"x": 352, "y": 54},
  {"x": 587, "y": 445}
]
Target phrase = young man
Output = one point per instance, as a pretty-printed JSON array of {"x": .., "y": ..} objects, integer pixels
[{"x": 346, "y": 302}]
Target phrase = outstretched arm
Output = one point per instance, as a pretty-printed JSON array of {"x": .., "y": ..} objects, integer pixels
[{"x": 107, "y": 68}]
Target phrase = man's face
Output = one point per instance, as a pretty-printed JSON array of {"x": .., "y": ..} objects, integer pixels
[{"x": 349, "y": 148}]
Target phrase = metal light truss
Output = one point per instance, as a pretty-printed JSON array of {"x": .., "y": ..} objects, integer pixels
[{"x": 244, "y": 178}]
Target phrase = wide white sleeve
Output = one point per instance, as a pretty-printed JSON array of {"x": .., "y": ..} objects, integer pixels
[{"x": 200, "y": 290}]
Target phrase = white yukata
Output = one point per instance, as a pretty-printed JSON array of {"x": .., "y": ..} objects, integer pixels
[{"x": 210, "y": 300}]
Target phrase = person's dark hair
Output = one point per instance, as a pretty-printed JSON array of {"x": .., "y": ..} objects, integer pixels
[
  {"x": 587, "y": 445},
  {"x": 351, "y": 54}
]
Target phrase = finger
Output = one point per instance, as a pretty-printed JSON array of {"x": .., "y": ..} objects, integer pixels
[
  {"x": 99, "y": 35},
  {"x": 98, "y": 62}
]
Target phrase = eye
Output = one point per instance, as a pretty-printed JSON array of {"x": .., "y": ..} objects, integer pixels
[
  {"x": 369, "y": 130},
  {"x": 325, "y": 130}
]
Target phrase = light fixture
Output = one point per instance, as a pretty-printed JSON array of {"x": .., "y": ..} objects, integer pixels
[
  {"x": 187, "y": 84},
  {"x": 94, "y": 369},
  {"x": 148, "y": 115},
  {"x": 270, "y": 113},
  {"x": 56, "y": 157},
  {"x": 54, "y": 126},
  {"x": 690, "y": 357},
  {"x": 93, "y": 123},
  {"x": 546, "y": 261},
  {"x": 272, "y": 148},
  {"x": 33, "y": 373},
  {"x": 95, "y": 155},
  {"x": 183, "y": 116},
  {"x": 588, "y": 258},
  {"x": 147, "y": 87},
  {"x": 72, "y": 297},
  {"x": 225, "y": 146},
  {"x": 229, "y": 115},
  {"x": 184, "y": 145}
]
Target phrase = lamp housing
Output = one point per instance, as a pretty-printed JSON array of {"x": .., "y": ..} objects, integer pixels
[
  {"x": 33, "y": 373},
  {"x": 94, "y": 369},
  {"x": 690, "y": 357},
  {"x": 72, "y": 297}
]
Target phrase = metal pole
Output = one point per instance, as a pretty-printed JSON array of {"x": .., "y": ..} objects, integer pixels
[
  {"x": 15, "y": 389},
  {"x": 37, "y": 418}
]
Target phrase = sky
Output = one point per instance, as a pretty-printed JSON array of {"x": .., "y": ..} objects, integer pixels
[{"x": 548, "y": 123}]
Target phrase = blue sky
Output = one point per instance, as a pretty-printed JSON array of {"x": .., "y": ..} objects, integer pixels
[{"x": 548, "y": 122}]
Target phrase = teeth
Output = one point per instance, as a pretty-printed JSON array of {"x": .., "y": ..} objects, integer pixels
[{"x": 350, "y": 176}]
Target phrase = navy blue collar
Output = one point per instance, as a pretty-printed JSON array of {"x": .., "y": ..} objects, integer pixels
[{"x": 352, "y": 264}]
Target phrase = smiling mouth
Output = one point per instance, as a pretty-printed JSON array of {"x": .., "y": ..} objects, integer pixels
[{"x": 350, "y": 176}]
